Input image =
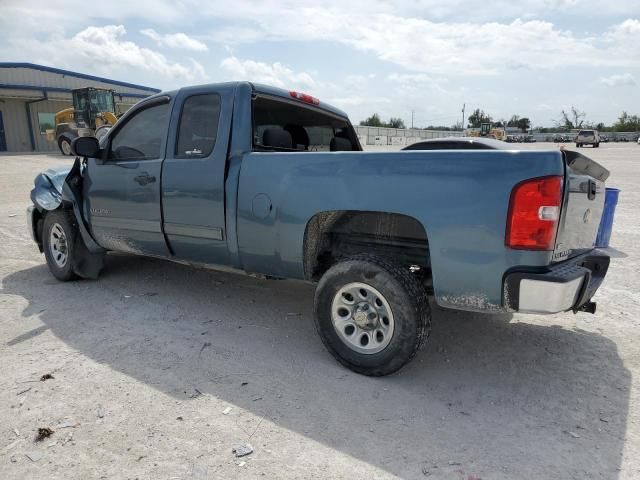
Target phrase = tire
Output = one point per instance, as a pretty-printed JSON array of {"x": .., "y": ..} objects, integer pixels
[
  {"x": 390, "y": 345},
  {"x": 102, "y": 130},
  {"x": 64, "y": 144},
  {"x": 59, "y": 235},
  {"x": 596, "y": 145},
  {"x": 577, "y": 145}
]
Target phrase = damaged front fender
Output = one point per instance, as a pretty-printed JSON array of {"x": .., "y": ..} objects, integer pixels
[
  {"x": 62, "y": 187},
  {"x": 47, "y": 191}
]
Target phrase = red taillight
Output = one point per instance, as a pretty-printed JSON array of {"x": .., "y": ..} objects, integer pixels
[
  {"x": 304, "y": 97},
  {"x": 534, "y": 210}
]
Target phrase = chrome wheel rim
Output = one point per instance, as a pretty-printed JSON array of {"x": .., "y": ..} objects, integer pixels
[
  {"x": 66, "y": 147},
  {"x": 58, "y": 245},
  {"x": 362, "y": 318}
]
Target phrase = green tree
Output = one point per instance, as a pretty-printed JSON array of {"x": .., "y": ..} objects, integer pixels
[
  {"x": 372, "y": 121},
  {"x": 574, "y": 118},
  {"x": 513, "y": 121},
  {"x": 375, "y": 121},
  {"x": 627, "y": 123},
  {"x": 395, "y": 123},
  {"x": 478, "y": 117},
  {"x": 523, "y": 124}
]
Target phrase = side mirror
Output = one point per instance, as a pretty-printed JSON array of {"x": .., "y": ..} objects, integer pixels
[{"x": 85, "y": 147}]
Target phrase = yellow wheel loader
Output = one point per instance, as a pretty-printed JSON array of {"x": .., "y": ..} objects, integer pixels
[{"x": 92, "y": 114}]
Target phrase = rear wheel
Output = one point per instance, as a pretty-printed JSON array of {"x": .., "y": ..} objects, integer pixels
[
  {"x": 65, "y": 145},
  {"x": 596, "y": 145},
  {"x": 578, "y": 145},
  {"x": 58, "y": 241},
  {"x": 372, "y": 314}
]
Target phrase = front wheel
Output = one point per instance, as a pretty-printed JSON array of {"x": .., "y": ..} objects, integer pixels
[
  {"x": 372, "y": 314},
  {"x": 58, "y": 241},
  {"x": 65, "y": 145}
]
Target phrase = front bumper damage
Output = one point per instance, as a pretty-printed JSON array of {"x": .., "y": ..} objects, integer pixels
[{"x": 568, "y": 285}]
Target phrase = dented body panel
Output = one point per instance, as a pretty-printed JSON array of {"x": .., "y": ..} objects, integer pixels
[{"x": 282, "y": 214}]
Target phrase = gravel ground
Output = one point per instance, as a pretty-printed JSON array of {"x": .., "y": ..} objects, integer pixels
[{"x": 160, "y": 369}]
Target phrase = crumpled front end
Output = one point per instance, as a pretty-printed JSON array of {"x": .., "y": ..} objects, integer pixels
[{"x": 47, "y": 191}]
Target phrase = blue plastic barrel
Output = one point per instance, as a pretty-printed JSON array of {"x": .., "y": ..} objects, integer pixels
[{"x": 606, "y": 223}]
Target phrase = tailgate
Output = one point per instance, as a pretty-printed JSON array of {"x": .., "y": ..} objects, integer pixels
[{"x": 583, "y": 202}]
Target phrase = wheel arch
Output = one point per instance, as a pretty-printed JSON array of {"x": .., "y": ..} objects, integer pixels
[{"x": 332, "y": 235}]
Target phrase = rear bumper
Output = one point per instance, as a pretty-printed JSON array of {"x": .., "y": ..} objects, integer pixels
[{"x": 558, "y": 288}]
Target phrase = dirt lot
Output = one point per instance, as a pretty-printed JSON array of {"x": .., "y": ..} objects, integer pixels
[{"x": 160, "y": 369}]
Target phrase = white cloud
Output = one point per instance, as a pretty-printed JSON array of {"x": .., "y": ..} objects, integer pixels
[
  {"x": 357, "y": 101},
  {"x": 105, "y": 47},
  {"x": 622, "y": 80},
  {"x": 274, "y": 74},
  {"x": 175, "y": 40},
  {"x": 104, "y": 50},
  {"x": 452, "y": 48}
]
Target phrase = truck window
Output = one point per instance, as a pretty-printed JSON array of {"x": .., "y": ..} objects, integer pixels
[
  {"x": 290, "y": 126},
  {"x": 198, "y": 126},
  {"x": 141, "y": 137}
]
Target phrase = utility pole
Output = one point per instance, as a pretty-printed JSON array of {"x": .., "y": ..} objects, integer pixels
[
  {"x": 463, "y": 107},
  {"x": 412, "y": 115}
]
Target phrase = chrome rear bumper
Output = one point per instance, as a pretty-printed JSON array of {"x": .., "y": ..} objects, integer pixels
[{"x": 565, "y": 286}]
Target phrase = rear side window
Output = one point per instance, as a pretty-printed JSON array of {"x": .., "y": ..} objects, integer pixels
[
  {"x": 141, "y": 137},
  {"x": 198, "y": 126}
]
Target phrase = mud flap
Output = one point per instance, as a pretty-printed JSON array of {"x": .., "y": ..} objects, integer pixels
[{"x": 85, "y": 263}]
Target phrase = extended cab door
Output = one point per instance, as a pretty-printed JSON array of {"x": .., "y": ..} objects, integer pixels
[
  {"x": 193, "y": 175},
  {"x": 122, "y": 189}
]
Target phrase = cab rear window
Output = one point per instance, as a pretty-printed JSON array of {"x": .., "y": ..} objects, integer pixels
[{"x": 288, "y": 126}]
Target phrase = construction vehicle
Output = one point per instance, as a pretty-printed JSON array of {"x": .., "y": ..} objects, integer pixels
[
  {"x": 496, "y": 132},
  {"x": 92, "y": 114}
]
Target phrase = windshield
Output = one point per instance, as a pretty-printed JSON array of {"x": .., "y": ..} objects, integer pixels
[
  {"x": 102, "y": 101},
  {"x": 288, "y": 126},
  {"x": 586, "y": 132}
]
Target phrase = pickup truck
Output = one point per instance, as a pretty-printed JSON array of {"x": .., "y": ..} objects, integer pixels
[{"x": 271, "y": 182}]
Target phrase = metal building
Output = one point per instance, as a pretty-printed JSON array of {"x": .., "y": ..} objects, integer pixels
[{"x": 31, "y": 94}]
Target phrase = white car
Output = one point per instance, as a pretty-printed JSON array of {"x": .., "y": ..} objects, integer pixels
[{"x": 588, "y": 137}]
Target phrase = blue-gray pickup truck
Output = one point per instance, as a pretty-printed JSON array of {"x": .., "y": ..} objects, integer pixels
[{"x": 273, "y": 182}]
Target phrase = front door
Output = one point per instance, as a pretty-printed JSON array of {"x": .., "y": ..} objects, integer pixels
[
  {"x": 122, "y": 189},
  {"x": 3, "y": 139},
  {"x": 193, "y": 175}
]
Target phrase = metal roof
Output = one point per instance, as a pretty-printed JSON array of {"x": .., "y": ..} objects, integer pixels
[{"x": 69, "y": 73}]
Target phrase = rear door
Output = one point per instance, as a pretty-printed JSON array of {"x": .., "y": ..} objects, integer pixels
[
  {"x": 193, "y": 174},
  {"x": 583, "y": 206},
  {"x": 122, "y": 190}
]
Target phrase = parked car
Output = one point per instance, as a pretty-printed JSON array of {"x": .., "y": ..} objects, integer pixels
[
  {"x": 459, "y": 143},
  {"x": 604, "y": 139},
  {"x": 265, "y": 181},
  {"x": 588, "y": 137}
]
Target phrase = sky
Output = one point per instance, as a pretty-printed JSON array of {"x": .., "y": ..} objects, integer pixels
[{"x": 530, "y": 58}]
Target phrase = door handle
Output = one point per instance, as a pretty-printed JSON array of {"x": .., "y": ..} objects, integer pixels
[{"x": 144, "y": 179}]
